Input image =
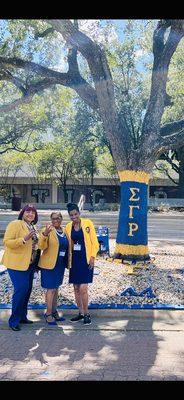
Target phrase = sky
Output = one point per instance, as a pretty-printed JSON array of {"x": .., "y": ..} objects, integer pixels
[{"x": 97, "y": 29}]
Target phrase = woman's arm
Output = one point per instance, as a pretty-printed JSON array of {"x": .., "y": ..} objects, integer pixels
[
  {"x": 94, "y": 240},
  {"x": 43, "y": 240},
  {"x": 10, "y": 238}
]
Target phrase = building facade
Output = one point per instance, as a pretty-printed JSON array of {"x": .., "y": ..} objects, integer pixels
[{"x": 103, "y": 191}]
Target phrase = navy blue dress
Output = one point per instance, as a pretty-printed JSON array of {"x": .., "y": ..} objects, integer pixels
[
  {"x": 80, "y": 271},
  {"x": 53, "y": 278}
]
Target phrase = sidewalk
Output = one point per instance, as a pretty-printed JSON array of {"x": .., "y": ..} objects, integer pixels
[{"x": 117, "y": 346}]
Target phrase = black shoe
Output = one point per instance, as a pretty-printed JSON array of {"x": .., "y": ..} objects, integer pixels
[
  {"x": 26, "y": 321},
  {"x": 57, "y": 317},
  {"x": 87, "y": 319},
  {"x": 77, "y": 318},
  {"x": 15, "y": 328}
]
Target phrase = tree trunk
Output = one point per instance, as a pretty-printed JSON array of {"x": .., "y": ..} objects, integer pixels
[
  {"x": 65, "y": 194},
  {"x": 132, "y": 236},
  {"x": 134, "y": 161},
  {"x": 181, "y": 172},
  {"x": 64, "y": 187}
]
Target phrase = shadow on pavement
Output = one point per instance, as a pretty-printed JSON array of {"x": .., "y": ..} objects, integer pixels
[{"x": 122, "y": 347}]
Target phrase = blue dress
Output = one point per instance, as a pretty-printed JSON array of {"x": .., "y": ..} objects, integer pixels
[
  {"x": 53, "y": 278},
  {"x": 80, "y": 271}
]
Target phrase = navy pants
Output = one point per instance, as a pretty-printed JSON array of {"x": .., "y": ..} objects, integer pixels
[{"x": 22, "y": 282}]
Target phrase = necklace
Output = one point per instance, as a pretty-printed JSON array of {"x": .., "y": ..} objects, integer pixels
[
  {"x": 59, "y": 232},
  {"x": 28, "y": 225}
]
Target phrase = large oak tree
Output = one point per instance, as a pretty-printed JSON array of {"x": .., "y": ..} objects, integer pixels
[{"x": 134, "y": 160}]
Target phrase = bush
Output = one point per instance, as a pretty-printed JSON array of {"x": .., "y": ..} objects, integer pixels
[
  {"x": 115, "y": 207},
  {"x": 163, "y": 207}
]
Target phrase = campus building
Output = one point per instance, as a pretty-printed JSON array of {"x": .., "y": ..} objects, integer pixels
[{"x": 104, "y": 192}]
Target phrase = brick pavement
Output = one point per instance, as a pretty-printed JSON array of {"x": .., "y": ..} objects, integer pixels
[{"x": 117, "y": 346}]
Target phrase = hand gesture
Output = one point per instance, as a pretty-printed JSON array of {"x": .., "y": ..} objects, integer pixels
[
  {"x": 29, "y": 236},
  {"x": 48, "y": 229}
]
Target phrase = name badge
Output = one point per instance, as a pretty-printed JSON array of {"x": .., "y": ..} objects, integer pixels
[
  {"x": 77, "y": 247},
  {"x": 62, "y": 253}
]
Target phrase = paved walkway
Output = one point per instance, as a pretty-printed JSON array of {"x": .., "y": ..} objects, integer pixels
[{"x": 117, "y": 346}]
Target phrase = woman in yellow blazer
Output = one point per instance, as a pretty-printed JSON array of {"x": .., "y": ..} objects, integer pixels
[
  {"x": 19, "y": 257},
  {"x": 83, "y": 245},
  {"x": 53, "y": 261}
]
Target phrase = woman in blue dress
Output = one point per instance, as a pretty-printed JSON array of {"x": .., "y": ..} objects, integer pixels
[
  {"x": 53, "y": 261},
  {"x": 83, "y": 244}
]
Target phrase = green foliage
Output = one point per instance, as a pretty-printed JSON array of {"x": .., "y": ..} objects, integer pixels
[
  {"x": 19, "y": 40},
  {"x": 57, "y": 121},
  {"x": 11, "y": 164},
  {"x": 131, "y": 77},
  {"x": 175, "y": 86},
  {"x": 107, "y": 167}
]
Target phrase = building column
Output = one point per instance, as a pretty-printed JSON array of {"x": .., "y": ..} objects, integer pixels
[{"x": 54, "y": 193}]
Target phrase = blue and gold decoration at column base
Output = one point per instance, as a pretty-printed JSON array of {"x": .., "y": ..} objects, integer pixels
[{"x": 132, "y": 237}]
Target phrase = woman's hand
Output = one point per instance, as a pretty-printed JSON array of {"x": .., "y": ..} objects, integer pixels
[
  {"x": 92, "y": 262},
  {"x": 29, "y": 236},
  {"x": 47, "y": 230}
]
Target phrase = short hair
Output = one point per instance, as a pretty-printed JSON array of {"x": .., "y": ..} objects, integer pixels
[
  {"x": 56, "y": 212},
  {"x": 29, "y": 207},
  {"x": 72, "y": 206}
]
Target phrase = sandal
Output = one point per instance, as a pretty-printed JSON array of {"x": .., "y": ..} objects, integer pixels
[
  {"x": 57, "y": 317},
  {"x": 49, "y": 323}
]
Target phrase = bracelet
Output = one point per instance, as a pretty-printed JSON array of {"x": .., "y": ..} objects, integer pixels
[
  {"x": 24, "y": 241},
  {"x": 44, "y": 234}
]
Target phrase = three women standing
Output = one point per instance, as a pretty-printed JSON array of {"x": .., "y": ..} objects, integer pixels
[{"x": 75, "y": 247}]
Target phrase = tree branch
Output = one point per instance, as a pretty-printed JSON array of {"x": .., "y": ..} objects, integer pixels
[
  {"x": 44, "y": 33},
  {"x": 7, "y": 76},
  {"x": 69, "y": 79},
  {"x": 12, "y": 106},
  {"x": 169, "y": 160},
  {"x": 31, "y": 66},
  {"x": 172, "y": 127},
  {"x": 162, "y": 169},
  {"x": 162, "y": 56},
  {"x": 175, "y": 35},
  {"x": 172, "y": 142},
  {"x": 102, "y": 78},
  {"x": 158, "y": 39}
]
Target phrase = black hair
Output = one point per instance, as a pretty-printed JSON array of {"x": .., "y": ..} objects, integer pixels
[
  {"x": 26, "y": 208},
  {"x": 72, "y": 206}
]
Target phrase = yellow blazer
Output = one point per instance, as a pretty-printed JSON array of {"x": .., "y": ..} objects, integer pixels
[
  {"x": 50, "y": 246},
  {"x": 90, "y": 238},
  {"x": 17, "y": 255}
]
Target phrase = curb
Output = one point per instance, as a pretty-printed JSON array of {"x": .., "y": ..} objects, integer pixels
[{"x": 106, "y": 306}]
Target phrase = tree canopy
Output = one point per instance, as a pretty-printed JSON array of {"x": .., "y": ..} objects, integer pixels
[{"x": 29, "y": 65}]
